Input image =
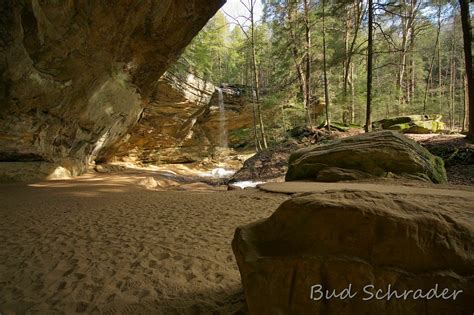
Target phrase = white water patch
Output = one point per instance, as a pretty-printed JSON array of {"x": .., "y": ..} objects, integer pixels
[
  {"x": 218, "y": 173},
  {"x": 247, "y": 184}
]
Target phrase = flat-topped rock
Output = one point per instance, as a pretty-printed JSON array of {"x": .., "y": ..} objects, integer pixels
[
  {"x": 419, "y": 124},
  {"x": 370, "y": 155},
  {"x": 334, "y": 240},
  {"x": 298, "y": 187}
]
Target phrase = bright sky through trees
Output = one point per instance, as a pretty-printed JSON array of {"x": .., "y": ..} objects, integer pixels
[{"x": 235, "y": 9}]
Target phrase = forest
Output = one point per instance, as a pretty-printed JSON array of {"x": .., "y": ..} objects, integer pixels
[{"x": 311, "y": 60}]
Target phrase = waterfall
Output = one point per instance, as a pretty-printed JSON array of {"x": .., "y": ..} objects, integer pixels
[{"x": 222, "y": 120}]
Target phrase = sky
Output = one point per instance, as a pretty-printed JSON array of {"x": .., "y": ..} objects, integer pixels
[{"x": 235, "y": 8}]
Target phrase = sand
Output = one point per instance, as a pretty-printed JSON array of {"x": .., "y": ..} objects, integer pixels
[{"x": 103, "y": 244}]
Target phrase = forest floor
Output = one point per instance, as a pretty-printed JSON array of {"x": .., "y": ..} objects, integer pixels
[{"x": 457, "y": 153}]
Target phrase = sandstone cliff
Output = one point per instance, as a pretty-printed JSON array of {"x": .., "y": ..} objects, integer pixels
[
  {"x": 183, "y": 123},
  {"x": 167, "y": 131},
  {"x": 75, "y": 76}
]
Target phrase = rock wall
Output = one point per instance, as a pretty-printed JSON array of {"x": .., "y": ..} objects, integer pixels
[
  {"x": 75, "y": 75},
  {"x": 182, "y": 123},
  {"x": 237, "y": 120},
  {"x": 167, "y": 130}
]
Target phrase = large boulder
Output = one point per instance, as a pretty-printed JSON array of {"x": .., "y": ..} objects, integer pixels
[
  {"x": 362, "y": 240},
  {"x": 369, "y": 155},
  {"x": 76, "y": 75},
  {"x": 411, "y": 124}
]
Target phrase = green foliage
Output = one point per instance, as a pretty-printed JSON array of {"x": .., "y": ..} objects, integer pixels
[{"x": 221, "y": 53}]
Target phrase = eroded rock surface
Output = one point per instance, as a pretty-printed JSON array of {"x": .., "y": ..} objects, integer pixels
[
  {"x": 76, "y": 75},
  {"x": 336, "y": 238},
  {"x": 182, "y": 123},
  {"x": 167, "y": 130},
  {"x": 378, "y": 154}
]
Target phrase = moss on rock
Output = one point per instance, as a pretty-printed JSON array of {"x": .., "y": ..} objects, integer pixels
[{"x": 368, "y": 155}]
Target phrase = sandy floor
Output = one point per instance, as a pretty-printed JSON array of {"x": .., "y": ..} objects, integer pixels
[{"x": 105, "y": 245}]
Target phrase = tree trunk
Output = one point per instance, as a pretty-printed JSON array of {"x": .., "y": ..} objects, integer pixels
[
  {"x": 255, "y": 74},
  {"x": 466, "y": 105},
  {"x": 308, "y": 63},
  {"x": 351, "y": 82},
  {"x": 452, "y": 79},
  {"x": 350, "y": 50},
  {"x": 368, "y": 115},
  {"x": 294, "y": 49},
  {"x": 440, "y": 80},
  {"x": 408, "y": 22},
  {"x": 451, "y": 92},
  {"x": 467, "y": 38},
  {"x": 401, "y": 69},
  {"x": 325, "y": 74},
  {"x": 430, "y": 72}
]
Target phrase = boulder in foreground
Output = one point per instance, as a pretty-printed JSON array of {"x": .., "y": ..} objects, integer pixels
[
  {"x": 378, "y": 154},
  {"x": 359, "y": 239}
]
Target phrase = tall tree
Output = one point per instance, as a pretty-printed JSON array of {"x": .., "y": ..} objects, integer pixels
[
  {"x": 251, "y": 8},
  {"x": 430, "y": 71},
  {"x": 466, "y": 105},
  {"x": 250, "y": 33},
  {"x": 467, "y": 38},
  {"x": 354, "y": 15},
  {"x": 308, "y": 58},
  {"x": 409, "y": 10},
  {"x": 325, "y": 73},
  {"x": 368, "y": 115}
]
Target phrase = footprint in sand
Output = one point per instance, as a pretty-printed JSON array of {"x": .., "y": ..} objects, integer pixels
[
  {"x": 79, "y": 276},
  {"x": 152, "y": 264},
  {"x": 167, "y": 256},
  {"x": 190, "y": 276}
]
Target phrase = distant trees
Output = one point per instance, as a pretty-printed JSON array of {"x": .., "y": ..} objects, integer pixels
[
  {"x": 308, "y": 55},
  {"x": 248, "y": 28}
]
